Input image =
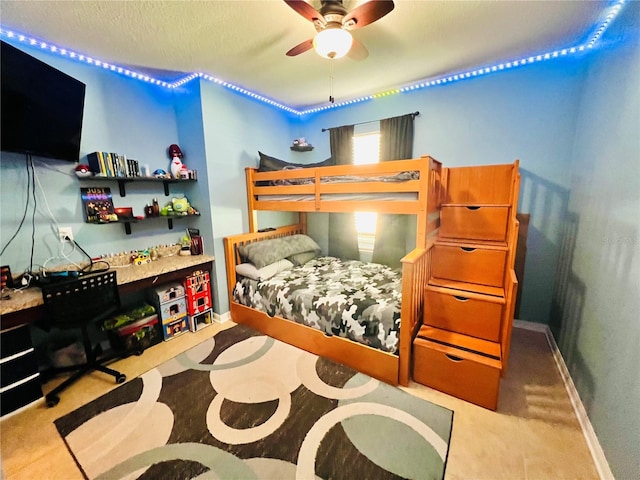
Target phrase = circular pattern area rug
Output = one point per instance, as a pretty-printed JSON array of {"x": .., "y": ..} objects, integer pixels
[{"x": 243, "y": 405}]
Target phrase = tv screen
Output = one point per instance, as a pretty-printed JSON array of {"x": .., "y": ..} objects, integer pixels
[{"x": 42, "y": 107}]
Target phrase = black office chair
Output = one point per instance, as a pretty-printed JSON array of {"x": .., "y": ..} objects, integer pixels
[{"x": 76, "y": 304}]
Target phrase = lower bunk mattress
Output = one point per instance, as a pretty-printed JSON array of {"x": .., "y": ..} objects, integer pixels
[{"x": 347, "y": 298}]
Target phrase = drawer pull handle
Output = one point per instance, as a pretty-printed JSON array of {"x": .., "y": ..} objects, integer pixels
[
  {"x": 467, "y": 249},
  {"x": 473, "y": 208},
  {"x": 453, "y": 358},
  {"x": 461, "y": 299}
]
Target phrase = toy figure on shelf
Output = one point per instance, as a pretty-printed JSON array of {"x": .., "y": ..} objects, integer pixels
[
  {"x": 176, "y": 163},
  {"x": 83, "y": 171},
  {"x": 178, "y": 206}
]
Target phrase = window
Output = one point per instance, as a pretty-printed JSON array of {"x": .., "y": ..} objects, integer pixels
[{"x": 366, "y": 149}]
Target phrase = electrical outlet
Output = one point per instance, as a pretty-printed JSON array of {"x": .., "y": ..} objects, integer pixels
[{"x": 65, "y": 234}]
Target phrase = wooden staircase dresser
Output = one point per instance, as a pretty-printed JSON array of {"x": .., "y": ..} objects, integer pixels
[{"x": 462, "y": 347}]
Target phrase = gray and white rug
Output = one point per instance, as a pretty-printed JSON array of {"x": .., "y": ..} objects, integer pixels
[{"x": 243, "y": 405}]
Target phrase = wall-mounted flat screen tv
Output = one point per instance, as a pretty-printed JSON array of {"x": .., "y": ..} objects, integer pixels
[{"x": 41, "y": 107}]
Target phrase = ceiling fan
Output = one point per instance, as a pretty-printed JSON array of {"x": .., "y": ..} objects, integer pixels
[{"x": 333, "y": 23}]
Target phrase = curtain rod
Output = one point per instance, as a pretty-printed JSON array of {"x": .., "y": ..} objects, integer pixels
[{"x": 415, "y": 114}]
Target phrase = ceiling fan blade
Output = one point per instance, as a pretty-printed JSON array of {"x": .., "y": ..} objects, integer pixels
[
  {"x": 367, "y": 13},
  {"x": 301, "y": 48},
  {"x": 304, "y": 9},
  {"x": 358, "y": 51}
]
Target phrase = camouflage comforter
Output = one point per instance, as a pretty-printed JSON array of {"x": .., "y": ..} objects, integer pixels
[{"x": 348, "y": 298}]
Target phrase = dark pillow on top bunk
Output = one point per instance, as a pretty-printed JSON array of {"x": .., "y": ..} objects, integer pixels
[
  {"x": 269, "y": 251},
  {"x": 271, "y": 164}
]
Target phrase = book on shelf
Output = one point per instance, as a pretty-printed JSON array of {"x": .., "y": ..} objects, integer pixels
[
  {"x": 98, "y": 204},
  {"x": 103, "y": 163},
  {"x": 97, "y": 164},
  {"x": 94, "y": 163},
  {"x": 110, "y": 164}
]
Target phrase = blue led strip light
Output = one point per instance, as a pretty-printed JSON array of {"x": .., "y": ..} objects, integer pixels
[{"x": 609, "y": 15}]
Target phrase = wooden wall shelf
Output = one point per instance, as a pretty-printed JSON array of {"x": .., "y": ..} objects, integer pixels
[
  {"x": 124, "y": 180},
  {"x": 127, "y": 222}
]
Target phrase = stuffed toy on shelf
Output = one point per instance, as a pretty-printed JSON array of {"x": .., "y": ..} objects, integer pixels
[{"x": 176, "y": 160}]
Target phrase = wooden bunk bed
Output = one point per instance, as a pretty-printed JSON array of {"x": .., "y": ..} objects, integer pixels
[{"x": 403, "y": 187}]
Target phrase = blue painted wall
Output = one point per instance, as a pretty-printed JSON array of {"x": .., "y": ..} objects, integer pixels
[
  {"x": 572, "y": 127},
  {"x": 121, "y": 115},
  {"x": 528, "y": 114},
  {"x": 235, "y": 128},
  {"x": 596, "y": 308}
]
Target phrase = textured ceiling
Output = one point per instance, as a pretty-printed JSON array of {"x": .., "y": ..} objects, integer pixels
[{"x": 244, "y": 42}]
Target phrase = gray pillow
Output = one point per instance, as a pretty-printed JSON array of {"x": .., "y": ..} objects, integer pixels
[
  {"x": 266, "y": 252},
  {"x": 302, "y": 258}
]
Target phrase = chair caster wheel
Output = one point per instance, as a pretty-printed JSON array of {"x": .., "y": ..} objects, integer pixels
[
  {"x": 121, "y": 378},
  {"x": 52, "y": 400}
]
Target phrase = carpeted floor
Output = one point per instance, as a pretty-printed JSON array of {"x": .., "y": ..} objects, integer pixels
[{"x": 242, "y": 405}]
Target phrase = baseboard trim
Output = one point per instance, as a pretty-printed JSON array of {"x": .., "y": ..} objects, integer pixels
[
  {"x": 602, "y": 465},
  {"x": 221, "y": 317}
]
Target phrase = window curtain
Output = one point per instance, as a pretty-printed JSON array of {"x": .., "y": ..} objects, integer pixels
[
  {"x": 343, "y": 237},
  {"x": 392, "y": 230}
]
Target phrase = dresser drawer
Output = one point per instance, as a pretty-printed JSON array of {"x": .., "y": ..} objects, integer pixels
[
  {"x": 20, "y": 395},
  {"x": 15, "y": 340},
  {"x": 463, "y": 312},
  {"x": 469, "y": 264},
  {"x": 474, "y": 222},
  {"x": 460, "y": 373},
  {"x": 18, "y": 368}
]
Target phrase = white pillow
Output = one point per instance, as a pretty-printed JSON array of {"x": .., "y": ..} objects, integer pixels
[{"x": 249, "y": 270}]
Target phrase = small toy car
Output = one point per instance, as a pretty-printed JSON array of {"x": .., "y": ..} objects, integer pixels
[{"x": 141, "y": 258}]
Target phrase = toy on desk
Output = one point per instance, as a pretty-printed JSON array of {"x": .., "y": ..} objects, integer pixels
[{"x": 141, "y": 257}]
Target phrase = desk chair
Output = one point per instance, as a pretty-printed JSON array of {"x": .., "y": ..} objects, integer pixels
[{"x": 75, "y": 304}]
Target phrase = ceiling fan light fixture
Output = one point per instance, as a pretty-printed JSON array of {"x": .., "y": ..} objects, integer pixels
[{"x": 332, "y": 42}]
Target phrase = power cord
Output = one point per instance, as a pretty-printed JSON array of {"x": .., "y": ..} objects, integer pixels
[{"x": 26, "y": 209}]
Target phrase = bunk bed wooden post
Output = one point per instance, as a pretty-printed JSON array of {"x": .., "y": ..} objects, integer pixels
[
  {"x": 253, "y": 214},
  {"x": 414, "y": 278},
  {"x": 230, "y": 256}
]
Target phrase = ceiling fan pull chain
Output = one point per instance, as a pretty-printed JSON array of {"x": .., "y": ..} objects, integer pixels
[{"x": 331, "y": 99}]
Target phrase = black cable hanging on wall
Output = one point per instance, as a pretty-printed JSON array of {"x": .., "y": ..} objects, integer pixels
[{"x": 415, "y": 114}]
